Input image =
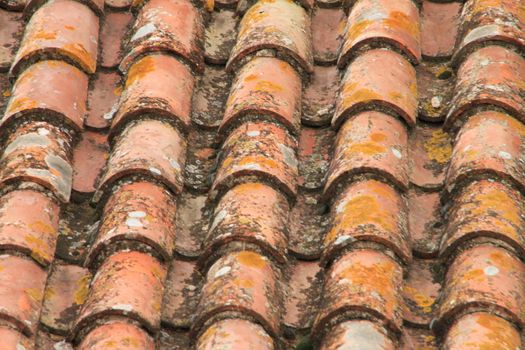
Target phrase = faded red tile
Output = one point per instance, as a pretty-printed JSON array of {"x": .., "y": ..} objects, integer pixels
[
  {"x": 54, "y": 89},
  {"x": 439, "y": 28},
  {"x": 425, "y": 222},
  {"x": 14, "y": 340},
  {"x": 38, "y": 152},
  {"x": 357, "y": 334},
  {"x": 491, "y": 76},
  {"x": 167, "y": 25},
  {"x": 138, "y": 215},
  {"x": 127, "y": 284},
  {"x": 265, "y": 87},
  {"x": 32, "y": 232},
  {"x": 500, "y": 154},
  {"x": 191, "y": 223},
  {"x": 250, "y": 213},
  {"x": 486, "y": 22},
  {"x": 419, "y": 338},
  {"x": 12, "y": 25},
  {"x": 181, "y": 294},
  {"x": 235, "y": 334},
  {"x": 371, "y": 143},
  {"x": 114, "y": 28},
  {"x": 315, "y": 145},
  {"x": 303, "y": 288},
  {"x": 349, "y": 288},
  {"x": 103, "y": 100},
  {"x": 258, "y": 149},
  {"x": 61, "y": 28},
  {"x": 243, "y": 282},
  {"x": 389, "y": 23},
  {"x": 429, "y": 152},
  {"x": 66, "y": 290},
  {"x": 157, "y": 85},
  {"x": 421, "y": 290},
  {"x": 484, "y": 277},
  {"x": 89, "y": 158},
  {"x": 220, "y": 36},
  {"x": 378, "y": 79},
  {"x": 485, "y": 209},
  {"x": 482, "y": 330},
  {"x": 319, "y": 96},
  {"x": 280, "y": 25},
  {"x": 131, "y": 155},
  {"x": 22, "y": 284},
  {"x": 327, "y": 30},
  {"x": 119, "y": 336},
  {"x": 369, "y": 211}
]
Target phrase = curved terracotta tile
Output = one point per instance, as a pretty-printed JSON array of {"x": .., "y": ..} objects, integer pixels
[
  {"x": 113, "y": 32},
  {"x": 328, "y": 26},
  {"x": 319, "y": 96},
  {"x": 314, "y": 155},
  {"x": 132, "y": 155},
  {"x": 66, "y": 290},
  {"x": 39, "y": 152},
  {"x": 482, "y": 330},
  {"x": 279, "y": 25},
  {"x": 33, "y": 232},
  {"x": 501, "y": 154},
  {"x": 349, "y": 292},
  {"x": 127, "y": 284},
  {"x": 258, "y": 149},
  {"x": 490, "y": 21},
  {"x": 136, "y": 214},
  {"x": 235, "y": 334},
  {"x": 22, "y": 284},
  {"x": 63, "y": 29},
  {"x": 220, "y": 35},
  {"x": 425, "y": 222},
  {"x": 375, "y": 23},
  {"x": 118, "y": 336},
  {"x": 103, "y": 96},
  {"x": 173, "y": 26},
  {"x": 484, "y": 277},
  {"x": 369, "y": 211},
  {"x": 14, "y": 340},
  {"x": 251, "y": 212},
  {"x": 486, "y": 209},
  {"x": 10, "y": 34},
  {"x": 242, "y": 283},
  {"x": 378, "y": 79},
  {"x": 491, "y": 76},
  {"x": 265, "y": 87},
  {"x": 157, "y": 85},
  {"x": 439, "y": 28},
  {"x": 370, "y": 143},
  {"x": 357, "y": 335},
  {"x": 51, "y": 90},
  {"x": 89, "y": 158}
]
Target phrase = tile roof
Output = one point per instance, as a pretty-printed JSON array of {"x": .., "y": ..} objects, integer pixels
[{"x": 270, "y": 174}]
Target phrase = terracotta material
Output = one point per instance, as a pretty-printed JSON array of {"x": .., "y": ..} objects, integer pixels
[
  {"x": 279, "y": 25},
  {"x": 89, "y": 158},
  {"x": 421, "y": 291},
  {"x": 32, "y": 232},
  {"x": 258, "y": 149},
  {"x": 220, "y": 36},
  {"x": 120, "y": 336},
  {"x": 268, "y": 87},
  {"x": 38, "y": 152},
  {"x": 113, "y": 31},
  {"x": 64, "y": 29},
  {"x": 314, "y": 155},
  {"x": 301, "y": 305},
  {"x": 22, "y": 284},
  {"x": 328, "y": 26},
  {"x": 357, "y": 334},
  {"x": 235, "y": 334},
  {"x": 12, "y": 24},
  {"x": 319, "y": 96},
  {"x": 127, "y": 284},
  {"x": 53, "y": 90},
  {"x": 439, "y": 28},
  {"x": 425, "y": 222},
  {"x": 378, "y": 79},
  {"x": 137, "y": 214},
  {"x": 157, "y": 85},
  {"x": 243, "y": 283},
  {"x": 167, "y": 25},
  {"x": 369, "y": 211},
  {"x": 103, "y": 100},
  {"x": 389, "y": 23},
  {"x": 254, "y": 213},
  {"x": 12, "y": 339},
  {"x": 491, "y": 76},
  {"x": 370, "y": 143},
  {"x": 131, "y": 154}
]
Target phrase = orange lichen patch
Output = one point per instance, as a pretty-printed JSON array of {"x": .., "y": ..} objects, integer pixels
[
  {"x": 368, "y": 148},
  {"x": 39, "y": 249},
  {"x": 251, "y": 77},
  {"x": 140, "y": 69},
  {"x": 82, "y": 290},
  {"x": 34, "y": 294},
  {"x": 439, "y": 147},
  {"x": 358, "y": 28},
  {"x": 6, "y": 93},
  {"x": 49, "y": 293},
  {"x": 78, "y": 51},
  {"x": 398, "y": 19},
  {"x": 243, "y": 283},
  {"x": 118, "y": 90},
  {"x": 69, "y": 27},
  {"x": 251, "y": 259},
  {"x": 43, "y": 227},
  {"x": 267, "y": 86},
  {"x": 44, "y": 35},
  {"x": 258, "y": 160},
  {"x": 21, "y": 103},
  {"x": 424, "y": 302}
]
